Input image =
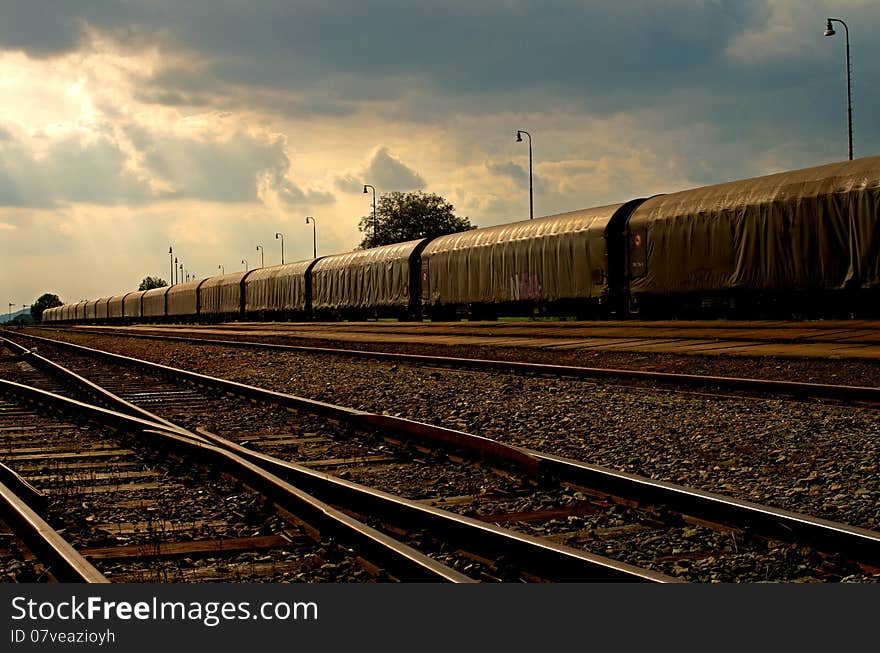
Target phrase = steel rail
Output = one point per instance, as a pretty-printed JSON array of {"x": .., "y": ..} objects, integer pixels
[
  {"x": 553, "y": 562},
  {"x": 27, "y": 492},
  {"x": 99, "y": 394},
  {"x": 65, "y": 563},
  {"x": 561, "y": 326},
  {"x": 793, "y": 388},
  {"x": 404, "y": 561},
  {"x": 755, "y": 518}
]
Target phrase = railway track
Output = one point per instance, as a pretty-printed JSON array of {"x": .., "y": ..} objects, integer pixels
[
  {"x": 530, "y": 558},
  {"x": 838, "y": 339},
  {"x": 852, "y": 394},
  {"x": 700, "y": 536},
  {"x": 144, "y": 503}
]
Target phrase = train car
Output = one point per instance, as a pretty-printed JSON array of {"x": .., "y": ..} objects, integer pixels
[
  {"x": 102, "y": 309},
  {"x": 550, "y": 264},
  {"x": 153, "y": 303},
  {"x": 91, "y": 310},
  {"x": 279, "y": 291},
  {"x": 79, "y": 311},
  {"x": 182, "y": 301},
  {"x": 48, "y": 315},
  {"x": 382, "y": 281},
  {"x": 801, "y": 240},
  {"x": 798, "y": 243},
  {"x": 116, "y": 307},
  {"x": 221, "y": 297},
  {"x": 131, "y": 305}
]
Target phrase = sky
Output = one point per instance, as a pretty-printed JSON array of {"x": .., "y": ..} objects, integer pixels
[{"x": 131, "y": 126}]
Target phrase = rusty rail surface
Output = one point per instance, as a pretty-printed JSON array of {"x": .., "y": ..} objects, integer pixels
[{"x": 64, "y": 562}]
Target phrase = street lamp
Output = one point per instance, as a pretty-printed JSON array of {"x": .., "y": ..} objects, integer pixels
[
  {"x": 181, "y": 272},
  {"x": 174, "y": 272},
  {"x": 245, "y": 264},
  {"x": 366, "y": 186},
  {"x": 314, "y": 237},
  {"x": 281, "y": 236},
  {"x": 221, "y": 268},
  {"x": 519, "y": 133},
  {"x": 829, "y": 31},
  {"x": 171, "y": 258},
  {"x": 262, "y": 257}
]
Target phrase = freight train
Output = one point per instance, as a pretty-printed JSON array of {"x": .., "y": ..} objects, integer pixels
[{"x": 802, "y": 243}]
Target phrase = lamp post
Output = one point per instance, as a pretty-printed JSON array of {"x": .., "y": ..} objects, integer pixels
[
  {"x": 519, "y": 133},
  {"x": 221, "y": 268},
  {"x": 244, "y": 261},
  {"x": 366, "y": 186},
  {"x": 181, "y": 272},
  {"x": 829, "y": 31},
  {"x": 171, "y": 259},
  {"x": 262, "y": 257},
  {"x": 174, "y": 272},
  {"x": 314, "y": 237},
  {"x": 281, "y": 236}
]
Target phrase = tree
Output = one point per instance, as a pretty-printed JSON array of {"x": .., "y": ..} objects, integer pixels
[
  {"x": 409, "y": 216},
  {"x": 44, "y": 301},
  {"x": 152, "y": 282}
]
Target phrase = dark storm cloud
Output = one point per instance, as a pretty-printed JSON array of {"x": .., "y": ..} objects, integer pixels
[
  {"x": 432, "y": 59},
  {"x": 455, "y": 46},
  {"x": 471, "y": 47},
  {"x": 49, "y": 27}
]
